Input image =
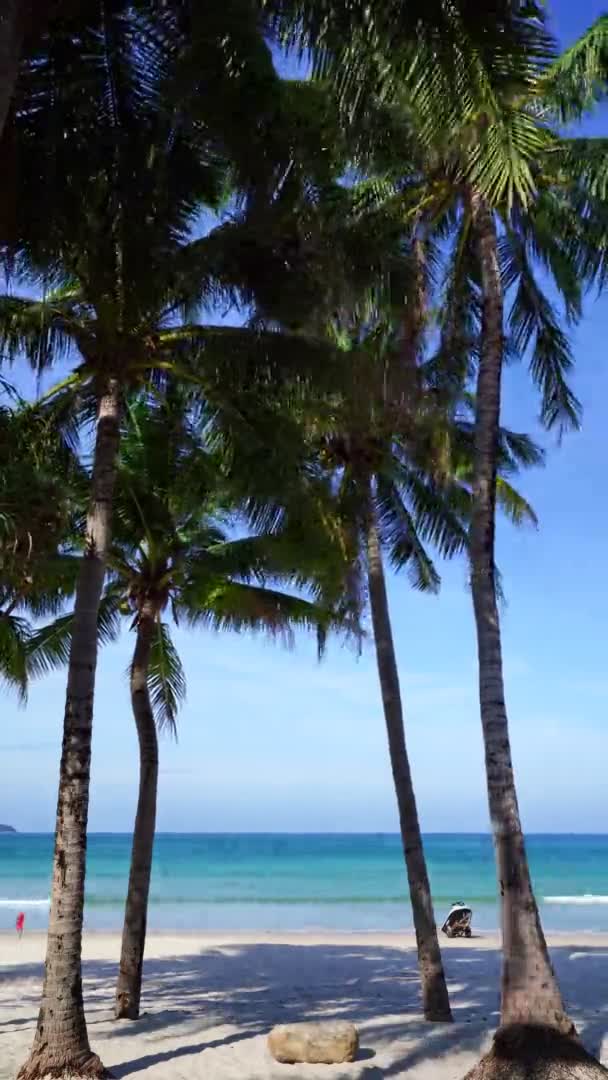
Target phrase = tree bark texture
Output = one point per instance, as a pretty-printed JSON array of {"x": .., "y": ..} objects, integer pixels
[
  {"x": 435, "y": 998},
  {"x": 534, "y": 1052},
  {"x": 61, "y": 1046},
  {"x": 530, "y": 993},
  {"x": 128, "y": 990}
]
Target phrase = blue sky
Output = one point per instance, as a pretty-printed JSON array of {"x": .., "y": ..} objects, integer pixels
[{"x": 271, "y": 740}]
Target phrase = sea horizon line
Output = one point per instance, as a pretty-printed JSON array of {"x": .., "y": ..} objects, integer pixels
[{"x": 311, "y": 833}]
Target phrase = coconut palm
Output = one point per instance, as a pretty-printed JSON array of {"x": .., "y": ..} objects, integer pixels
[
  {"x": 486, "y": 236},
  {"x": 508, "y": 245},
  {"x": 152, "y": 346},
  {"x": 401, "y": 461},
  {"x": 120, "y": 276},
  {"x": 172, "y": 552}
]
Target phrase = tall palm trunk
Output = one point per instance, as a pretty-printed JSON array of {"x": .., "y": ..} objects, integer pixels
[
  {"x": 415, "y": 305},
  {"x": 530, "y": 993},
  {"x": 12, "y": 18},
  {"x": 435, "y": 998},
  {"x": 128, "y": 990},
  {"x": 61, "y": 1045}
]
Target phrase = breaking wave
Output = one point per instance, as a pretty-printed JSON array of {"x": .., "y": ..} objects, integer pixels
[
  {"x": 23, "y": 903},
  {"x": 586, "y": 898}
]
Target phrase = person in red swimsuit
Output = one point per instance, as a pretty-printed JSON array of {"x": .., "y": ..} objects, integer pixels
[{"x": 20, "y": 924}]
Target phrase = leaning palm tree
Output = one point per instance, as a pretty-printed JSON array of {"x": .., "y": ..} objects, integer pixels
[
  {"x": 400, "y": 450},
  {"x": 171, "y": 552}
]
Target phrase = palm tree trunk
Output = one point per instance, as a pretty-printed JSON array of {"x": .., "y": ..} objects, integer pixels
[
  {"x": 530, "y": 993},
  {"x": 12, "y": 17},
  {"x": 61, "y": 1045},
  {"x": 128, "y": 990},
  {"x": 415, "y": 305},
  {"x": 435, "y": 998}
]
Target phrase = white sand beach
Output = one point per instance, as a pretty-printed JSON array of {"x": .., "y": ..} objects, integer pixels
[{"x": 210, "y": 999}]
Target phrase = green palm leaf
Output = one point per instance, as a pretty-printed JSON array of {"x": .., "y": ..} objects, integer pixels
[
  {"x": 578, "y": 78},
  {"x": 15, "y": 637},
  {"x": 399, "y": 533},
  {"x": 166, "y": 680},
  {"x": 42, "y": 331},
  {"x": 237, "y": 606},
  {"x": 517, "y": 509},
  {"x": 534, "y": 324},
  {"x": 48, "y": 647}
]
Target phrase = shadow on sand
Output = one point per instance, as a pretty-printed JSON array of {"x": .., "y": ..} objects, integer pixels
[{"x": 217, "y": 998}]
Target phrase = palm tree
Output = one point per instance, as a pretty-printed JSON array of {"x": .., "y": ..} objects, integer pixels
[
  {"x": 172, "y": 553},
  {"x": 507, "y": 243},
  {"x": 488, "y": 223},
  {"x": 120, "y": 278},
  {"x": 401, "y": 459},
  {"x": 529, "y": 988},
  {"x": 506, "y": 246}
]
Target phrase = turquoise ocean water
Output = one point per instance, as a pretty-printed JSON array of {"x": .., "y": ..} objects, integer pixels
[{"x": 298, "y": 882}]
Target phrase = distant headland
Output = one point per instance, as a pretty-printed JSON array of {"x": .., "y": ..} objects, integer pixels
[{"x": 7, "y": 828}]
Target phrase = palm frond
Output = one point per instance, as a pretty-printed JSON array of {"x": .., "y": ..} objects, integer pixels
[
  {"x": 584, "y": 161},
  {"x": 578, "y": 78},
  {"x": 41, "y": 330},
  {"x": 234, "y": 356},
  {"x": 50, "y": 583},
  {"x": 238, "y": 606},
  {"x": 501, "y": 161},
  {"x": 166, "y": 680},
  {"x": 48, "y": 647},
  {"x": 436, "y": 519},
  {"x": 15, "y": 635},
  {"x": 517, "y": 450},
  {"x": 554, "y": 236},
  {"x": 398, "y": 532},
  {"x": 534, "y": 324},
  {"x": 517, "y": 509}
]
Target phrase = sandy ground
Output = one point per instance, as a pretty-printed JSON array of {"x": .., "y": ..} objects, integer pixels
[{"x": 210, "y": 1000}]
